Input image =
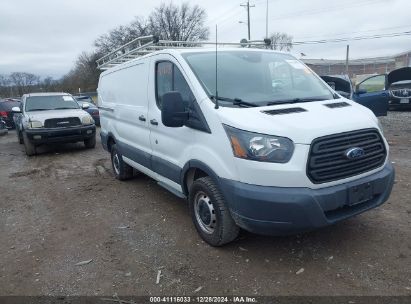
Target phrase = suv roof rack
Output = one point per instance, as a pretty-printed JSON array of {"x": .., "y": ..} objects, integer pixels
[{"x": 147, "y": 44}]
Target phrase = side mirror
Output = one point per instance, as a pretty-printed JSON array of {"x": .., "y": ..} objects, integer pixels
[
  {"x": 16, "y": 109},
  {"x": 85, "y": 105},
  {"x": 172, "y": 110}
]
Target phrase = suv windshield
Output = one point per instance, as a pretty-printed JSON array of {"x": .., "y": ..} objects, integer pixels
[
  {"x": 257, "y": 77},
  {"x": 43, "y": 103}
]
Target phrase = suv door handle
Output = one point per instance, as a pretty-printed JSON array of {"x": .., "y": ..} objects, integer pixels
[
  {"x": 142, "y": 118},
  {"x": 154, "y": 122}
]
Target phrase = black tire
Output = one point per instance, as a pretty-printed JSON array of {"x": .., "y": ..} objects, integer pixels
[
  {"x": 210, "y": 214},
  {"x": 20, "y": 137},
  {"x": 28, "y": 145},
  {"x": 121, "y": 170},
  {"x": 90, "y": 143}
]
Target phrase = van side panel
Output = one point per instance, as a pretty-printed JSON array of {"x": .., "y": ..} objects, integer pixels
[{"x": 125, "y": 92}]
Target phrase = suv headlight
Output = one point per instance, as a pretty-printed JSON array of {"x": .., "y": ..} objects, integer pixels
[
  {"x": 34, "y": 124},
  {"x": 87, "y": 120},
  {"x": 259, "y": 147}
]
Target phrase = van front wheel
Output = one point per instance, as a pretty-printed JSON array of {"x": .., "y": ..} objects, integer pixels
[
  {"x": 122, "y": 171},
  {"x": 210, "y": 214}
]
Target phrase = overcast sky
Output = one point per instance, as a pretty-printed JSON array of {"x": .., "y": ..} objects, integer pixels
[{"x": 45, "y": 36}]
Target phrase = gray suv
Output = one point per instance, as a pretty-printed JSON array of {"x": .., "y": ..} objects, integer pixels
[{"x": 46, "y": 118}]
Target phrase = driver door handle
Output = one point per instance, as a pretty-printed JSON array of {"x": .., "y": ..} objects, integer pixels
[
  {"x": 154, "y": 122},
  {"x": 142, "y": 118}
]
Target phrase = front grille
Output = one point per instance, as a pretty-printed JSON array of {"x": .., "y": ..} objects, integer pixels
[
  {"x": 62, "y": 122},
  {"x": 327, "y": 161},
  {"x": 401, "y": 93}
]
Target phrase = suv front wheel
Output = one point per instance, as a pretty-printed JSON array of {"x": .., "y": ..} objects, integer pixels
[
  {"x": 210, "y": 214},
  {"x": 90, "y": 143},
  {"x": 28, "y": 145}
]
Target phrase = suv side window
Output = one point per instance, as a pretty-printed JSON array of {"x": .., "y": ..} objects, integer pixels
[
  {"x": 373, "y": 84},
  {"x": 169, "y": 78}
]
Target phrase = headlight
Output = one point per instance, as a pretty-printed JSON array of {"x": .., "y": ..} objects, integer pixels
[
  {"x": 34, "y": 124},
  {"x": 87, "y": 120},
  {"x": 259, "y": 147}
]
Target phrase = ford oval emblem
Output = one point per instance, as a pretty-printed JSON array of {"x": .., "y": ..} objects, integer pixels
[{"x": 354, "y": 153}]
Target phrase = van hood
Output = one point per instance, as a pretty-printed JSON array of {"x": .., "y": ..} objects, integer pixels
[
  {"x": 313, "y": 121},
  {"x": 399, "y": 75},
  {"x": 43, "y": 115}
]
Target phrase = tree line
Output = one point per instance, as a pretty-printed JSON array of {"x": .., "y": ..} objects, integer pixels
[{"x": 183, "y": 22}]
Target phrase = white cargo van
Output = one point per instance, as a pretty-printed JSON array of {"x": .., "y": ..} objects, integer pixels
[{"x": 272, "y": 149}]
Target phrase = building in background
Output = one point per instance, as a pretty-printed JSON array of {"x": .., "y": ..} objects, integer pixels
[{"x": 359, "y": 68}]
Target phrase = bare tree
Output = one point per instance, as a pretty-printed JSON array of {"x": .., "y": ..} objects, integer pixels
[
  {"x": 168, "y": 21},
  {"x": 121, "y": 35},
  {"x": 84, "y": 75},
  {"x": 281, "y": 41},
  {"x": 182, "y": 23},
  {"x": 24, "y": 82}
]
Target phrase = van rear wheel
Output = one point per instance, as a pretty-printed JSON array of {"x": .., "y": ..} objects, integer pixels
[
  {"x": 122, "y": 171},
  {"x": 210, "y": 214}
]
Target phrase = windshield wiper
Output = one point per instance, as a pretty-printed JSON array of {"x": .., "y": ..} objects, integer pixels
[
  {"x": 63, "y": 108},
  {"x": 294, "y": 100},
  {"x": 234, "y": 101}
]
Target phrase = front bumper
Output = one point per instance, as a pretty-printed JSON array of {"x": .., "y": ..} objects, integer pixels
[
  {"x": 395, "y": 103},
  {"x": 61, "y": 135},
  {"x": 279, "y": 211}
]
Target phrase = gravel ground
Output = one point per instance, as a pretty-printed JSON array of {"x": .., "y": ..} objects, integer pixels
[{"x": 63, "y": 207}]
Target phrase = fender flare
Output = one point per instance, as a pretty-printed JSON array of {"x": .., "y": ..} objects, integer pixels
[
  {"x": 194, "y": 163},
  {"x": 104, "y": 139}
]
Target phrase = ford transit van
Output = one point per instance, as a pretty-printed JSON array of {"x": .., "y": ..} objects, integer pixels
[{"x": 261, "y": 143}]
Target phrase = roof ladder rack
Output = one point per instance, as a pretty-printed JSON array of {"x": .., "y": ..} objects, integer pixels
[{"x": 147, "y": 44}]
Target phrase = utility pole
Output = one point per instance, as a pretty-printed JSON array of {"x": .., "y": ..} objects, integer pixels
[
  {"x": 248, "y": 17},
  {"x": 346, "y": 59},
  {"x": 266, "y": 21}
]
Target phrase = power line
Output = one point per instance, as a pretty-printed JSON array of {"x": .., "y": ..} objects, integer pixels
[
  {"x": 327, "y": 9},
  {"x": 235, "y": 12},
  {"x": 406, "y": 33},
  {"x": 222, "y": 15},
  {"x": 357, "y": 32}
]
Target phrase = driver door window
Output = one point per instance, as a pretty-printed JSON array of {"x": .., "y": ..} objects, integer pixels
[
  {"x": 169, "y": 78},
  {"x": 373, "y": 84}
]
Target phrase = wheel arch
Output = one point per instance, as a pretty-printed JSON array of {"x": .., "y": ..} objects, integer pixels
[
  {"x": 107, "y": 140},
  {"x": 193, "y": 170}
]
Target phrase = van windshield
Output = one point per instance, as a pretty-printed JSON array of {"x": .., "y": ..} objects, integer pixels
[{"x": 257, "y": 78}]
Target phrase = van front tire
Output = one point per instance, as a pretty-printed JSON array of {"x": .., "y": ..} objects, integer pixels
[
  {"x": 122, "y": 171},
  {"x": 210, "y": 214}
]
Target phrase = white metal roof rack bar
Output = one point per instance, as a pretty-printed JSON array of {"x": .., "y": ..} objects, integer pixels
[{"x": 147, "y": 44}]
